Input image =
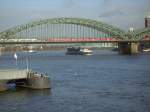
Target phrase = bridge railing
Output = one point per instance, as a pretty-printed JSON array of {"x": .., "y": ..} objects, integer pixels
[{"x": 79, "y": 39}]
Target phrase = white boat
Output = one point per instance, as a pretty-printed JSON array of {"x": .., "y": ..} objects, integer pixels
[
  {"x": 31, "y": 51},
  {"x": 86, "y": 51},
  {"x": 146, "y": 50}
]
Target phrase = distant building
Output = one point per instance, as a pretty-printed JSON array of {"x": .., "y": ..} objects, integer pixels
[
  {"x": 131, "y": 29},
  {"x": 147, "y": 22}
]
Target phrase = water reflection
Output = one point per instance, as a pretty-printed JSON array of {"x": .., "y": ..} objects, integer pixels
[{"x": 19, "y": 94}]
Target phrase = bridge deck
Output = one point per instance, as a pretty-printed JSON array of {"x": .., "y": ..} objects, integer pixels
[
  {"x": 65, "y": 42},
  {"x": 10, "y": 74}
]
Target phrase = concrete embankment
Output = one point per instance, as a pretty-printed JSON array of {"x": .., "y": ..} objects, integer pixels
[
  {"x": 23, "y": 78},
  {"x": 3, "y": 86}
]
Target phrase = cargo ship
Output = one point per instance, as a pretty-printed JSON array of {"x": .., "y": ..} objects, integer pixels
[{"x": 78, "y": 51}]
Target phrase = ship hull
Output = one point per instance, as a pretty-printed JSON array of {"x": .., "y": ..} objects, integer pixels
[
  {"x": 38, "y": 82},
  {"x": 78, "y": 51}
]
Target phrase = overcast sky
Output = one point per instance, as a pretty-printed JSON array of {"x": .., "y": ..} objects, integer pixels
[{"x": 120, "y": 13}]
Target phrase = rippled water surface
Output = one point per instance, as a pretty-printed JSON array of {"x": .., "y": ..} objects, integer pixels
[{"x": 103, "y": 82}]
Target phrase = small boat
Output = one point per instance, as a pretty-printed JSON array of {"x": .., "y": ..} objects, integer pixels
[
  {"x": 36, "y": 81},
  {"x": 78, "y": 51},
  {"x": 31, "y": 51},
  {"x": 146, "y": 50}
]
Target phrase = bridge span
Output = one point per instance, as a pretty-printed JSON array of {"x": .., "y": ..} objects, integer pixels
[{"x": 72, "y": 30}]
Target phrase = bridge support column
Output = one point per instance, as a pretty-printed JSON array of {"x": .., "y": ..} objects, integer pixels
[
  {"x": 3, "y": 86},
  {"x": 1, "y": 50},
  {"x": 128, "y": 47}
]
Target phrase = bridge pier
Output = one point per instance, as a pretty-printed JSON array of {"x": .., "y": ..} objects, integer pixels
[
  {"x": 2, "y": 48},
  {"x": 128, "y": 47}
]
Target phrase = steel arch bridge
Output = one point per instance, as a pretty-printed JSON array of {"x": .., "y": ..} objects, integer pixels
[{"x": 78, "y": 26}]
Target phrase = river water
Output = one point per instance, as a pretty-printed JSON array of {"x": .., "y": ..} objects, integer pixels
[{"x": 102, "y": 82}]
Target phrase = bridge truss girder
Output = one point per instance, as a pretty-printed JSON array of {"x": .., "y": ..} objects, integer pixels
[
  {"x": 141, "y": 33},
  {"x": 100, "y": 26}
]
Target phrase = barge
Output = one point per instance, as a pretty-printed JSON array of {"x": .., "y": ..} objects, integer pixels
[{"x": 78, "y": 51}]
